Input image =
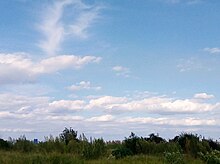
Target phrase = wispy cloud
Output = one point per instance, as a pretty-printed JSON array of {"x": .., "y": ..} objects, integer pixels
[
  {"x": 55, "y": 29},
  {"x": 84, "y": 85},
  {"x": 52, "y": 28},
  {"x": 214, "y": 50},
  {"x": 121, "y": 71},
  {"x": 83, "y": 22},
  {"x": 188, "y": 2},
  {"x": 203, "y": 96},
  {"x": 192, "y": 64}
]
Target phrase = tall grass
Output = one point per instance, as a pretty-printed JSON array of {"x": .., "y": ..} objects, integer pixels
[{"x": 7, "y": 157}]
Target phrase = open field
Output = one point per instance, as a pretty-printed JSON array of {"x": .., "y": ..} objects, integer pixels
[{"x": 57, "y": 158}]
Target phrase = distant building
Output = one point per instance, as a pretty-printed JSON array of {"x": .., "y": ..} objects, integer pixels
[{"x": 36, "y": 141}]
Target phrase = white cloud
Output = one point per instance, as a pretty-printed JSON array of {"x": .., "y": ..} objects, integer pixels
[
  {"x": 33, "y": 112},
  {"x": 121, "y": 71},
  {"x": 153, "y": 105},
  {"x": 156, "y": 105},
  {"x": 203, "y": 96},
  {"x": 214, "y": 50},
  {"x": 106, "y": 102},
  {"x": 17, "y": 103},
  {"x": 64, "y": 118},
  {"x": 120, "y": 68},
  {"x": 84, "y": 85},
  {"x": 16, "y": 68},
  {"x": 15, "y": 130},
  {"x": 170, "y": 121},
  {"x": 55, "y": 29},
  {"x": 72, "y": 105},
  {"x": 54, "y": 64},
  {"x": 103, "y": 118}
]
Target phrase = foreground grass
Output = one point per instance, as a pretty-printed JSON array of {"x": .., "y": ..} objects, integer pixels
[{"x": 57, "y": 158}]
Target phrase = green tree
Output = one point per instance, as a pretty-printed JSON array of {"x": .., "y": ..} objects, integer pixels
[{"x": 67, "y": 135}]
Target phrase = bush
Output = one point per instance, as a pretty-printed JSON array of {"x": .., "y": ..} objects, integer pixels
[
  {"x": 4, "y": 145},
  {"x": 211, "y": 158},
  {"x": 74, "y": 147},
  {"x": 133, "y": 144},
  {"x": 192, "y": 145},
  {"x": 173, "y": 158},
  {"x": 51, "y": 145},
  {"x": 94, "y": 149},
  {"x": 121, "y": 152},
  {"x": 24, "y": 145}
]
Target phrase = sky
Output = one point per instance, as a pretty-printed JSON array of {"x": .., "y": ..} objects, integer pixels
[{"x": 107, "y": 68}]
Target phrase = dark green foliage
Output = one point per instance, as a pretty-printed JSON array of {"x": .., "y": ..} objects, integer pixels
[
  {"x": 51, "y": 145},
  {"x": 67, "y": 135},
  {"x": 4, "y": 145},
  {"x": 155, "y": 138},
  {"x": 191, "y": 144},
  {"x": 24, "y": 145},
  {"x": 94, "y": 149},
  {"x": 121, "y": 152},
  {"x": 132, "y": 143},
  {"x": 214, "y": 145}
]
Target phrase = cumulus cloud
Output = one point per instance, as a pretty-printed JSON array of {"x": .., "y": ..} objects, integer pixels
[
  {"x": 153, "y": 105},
  {"x": 55, "y": 29},
  {"x": 64, "y": 118},
  {"x": 15, "y": 130},
  {"x": 62, "y": 105},
  {"x": 106, "y": 102},
  {"x": 170, "y": 121},
  {"x": 121, "y": 71},
  {"x": 16, "y": 68},
  {"x": 203, "y": 96},
  {"x": 159, "y": 105},
  {"x": 84, "y": 85},
  {"x": 19, "y": 103},
  {"x": 103, "y": 118},
  {"x": 214, "y": 50},
  {"x": 46, "y": 111}
]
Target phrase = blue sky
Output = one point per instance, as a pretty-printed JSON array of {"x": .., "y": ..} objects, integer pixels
[{"x": 107, "y": 68}]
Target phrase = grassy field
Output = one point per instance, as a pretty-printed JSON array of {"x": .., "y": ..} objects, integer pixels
[{"x": 55, "y": 158}]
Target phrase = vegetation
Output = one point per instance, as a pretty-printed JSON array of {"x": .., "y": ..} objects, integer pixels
[{"x": 71, "y": 148}]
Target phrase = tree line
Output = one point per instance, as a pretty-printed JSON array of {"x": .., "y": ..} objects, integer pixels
[{"x": 69, "y": 142}]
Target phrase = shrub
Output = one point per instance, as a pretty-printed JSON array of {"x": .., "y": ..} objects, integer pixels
[
  {"x": 24, "y": 145},
  {"x": 121, "y": 152},
  {"x": 211, "y": 158},
  {"x": 173, "y": 158},
  {"x": 94, "y": 149},
  {"x": 4, "y": 145}
]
